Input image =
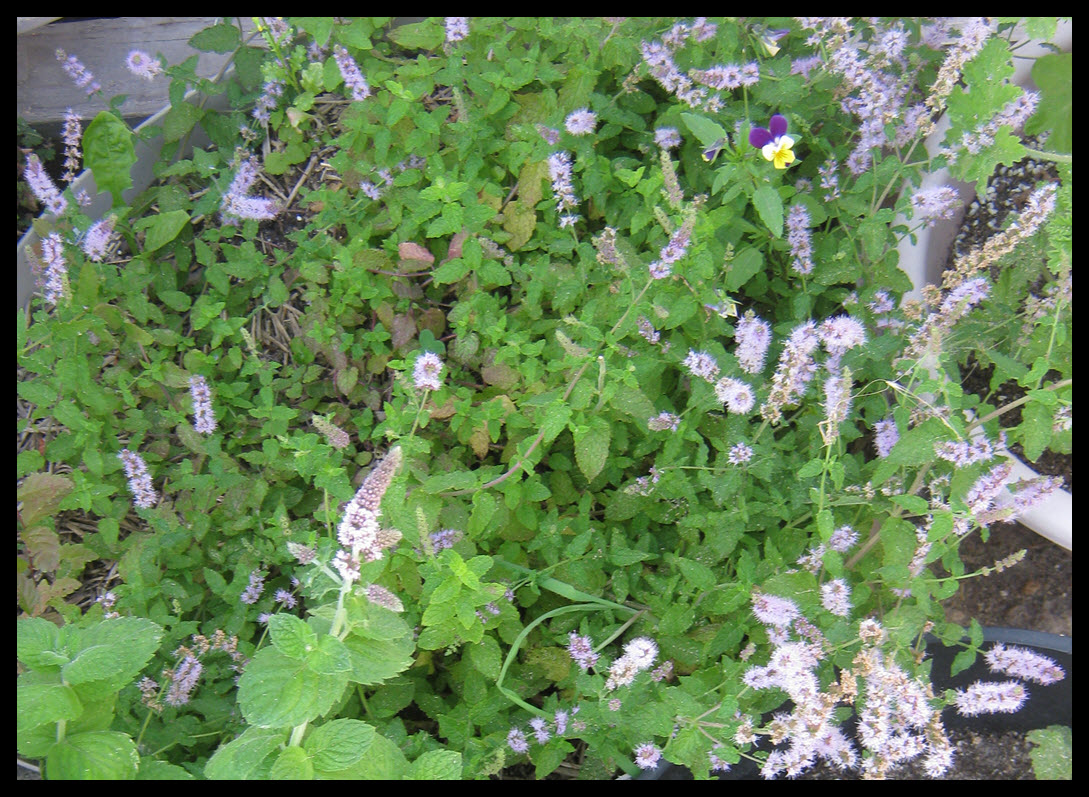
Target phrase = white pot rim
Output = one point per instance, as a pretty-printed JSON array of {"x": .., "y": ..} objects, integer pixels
[{"x": 1054, "y": 517}]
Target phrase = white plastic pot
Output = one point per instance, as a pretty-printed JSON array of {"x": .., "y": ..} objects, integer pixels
[
  {"x": 147, "y": 153},
  {"x": 924, "y": 261}
]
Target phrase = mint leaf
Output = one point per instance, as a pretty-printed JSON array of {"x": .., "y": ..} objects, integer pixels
[{"x": 108, "y": 151}]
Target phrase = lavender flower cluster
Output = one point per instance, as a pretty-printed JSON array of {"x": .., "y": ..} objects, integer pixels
[
  {"x": 360, "y": 534},
  {"x": 238, "y": 205}
]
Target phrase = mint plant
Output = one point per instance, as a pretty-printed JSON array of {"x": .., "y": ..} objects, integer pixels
[{"x": 502, "y": 390}]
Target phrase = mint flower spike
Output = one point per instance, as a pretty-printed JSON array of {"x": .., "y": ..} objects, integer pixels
[{"x": 773, "y": 142}]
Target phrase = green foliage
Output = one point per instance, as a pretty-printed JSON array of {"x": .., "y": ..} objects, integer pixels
[
  {"x": 1054, "y": 74},
  {"x": 109, "y": 152},
  {"x": 567, "y": 472},
  {"x": 1053, "y": 754}
]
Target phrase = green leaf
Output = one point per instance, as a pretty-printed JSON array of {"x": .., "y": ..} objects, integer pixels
[
  {"x": 318, "y": 27},
  {"x": 95, "y": 755},
  {"x": 592, "y": 446},
  {"x": 1053, "y": 755},
  {"x": 205, "y": 310},
  {"x": 383, "y": 761},
  {"x": 161, "y": 228},
  {"x": 292, "y": 764},
  {"x": 914, "y": 504},
  {"x": 556, "y": 416},
  {"x": 291, "y": 636},
  {"x": 246, "y": 758},
  {"x": 450, "y": 271},
  {"x": 220, "y": 38},
  {"x": 44, "y": 703},
  {"x": 346, "y": 379},
  {"x": 426, "y": 35},
  {"x": 486, "y": 658},
  {"x": 1035, "y": 429},
  {"x": 276, "y": 691},
  {"x": 176, "y": 300},
  {"x": 436, "y": 765},
  {"x": 37, "y": 642},
  {"x": 1054, "y": 74},
  {"x": 247, "y": 64},
  {"x": 109, "y": 152},
  {"x": 179, "y": 120},
  {"x": 131, "y": 641},
  {"x": 630, "y": 177},
  {"x": 375, "y": 660},
  {"x": 338, "y": 744},
  {"x": 745, "y": 265},
  {"x": 704, "y": 129},
  {"x": 769, "y": 205},
  {"x": 874, "y": 233},
  {"x": 697, "y": 574}
]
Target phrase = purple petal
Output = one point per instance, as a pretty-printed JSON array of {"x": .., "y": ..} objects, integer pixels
[
  {"x": 759, "y": 136},
  {"x": 778, "y": 125}
]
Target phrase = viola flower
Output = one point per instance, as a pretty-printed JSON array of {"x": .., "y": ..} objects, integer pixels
[{"x": 773, "y": 142}]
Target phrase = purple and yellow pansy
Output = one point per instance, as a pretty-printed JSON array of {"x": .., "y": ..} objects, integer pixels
[{"x": 773, "y": 142}]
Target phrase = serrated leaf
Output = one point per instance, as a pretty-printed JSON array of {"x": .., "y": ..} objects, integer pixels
[
  {"x": 161, "y": 228},
  {"x": 346, "y": 379},
  {"x": 245, "y": 758},
  {"x": 418, "y": 36},
  {"x": 41, "y": 494},
  {"x": 276, "y": 691},
  {"x": 631, "y": 401},
  {"x": 450, "y": 271},
  {"x": 1054, "y": 74},
  {"x": 132, "y": 641},
  {"x": 436, "y": 765},
  {"x": 556, "y": 416},
  {"x": 176, "y": 300},
  {"x": 745, "y": 265},
  {"x": 769, "y": 205},
  {"x": 94, "y": 755},
  {"x": 704, "y": 129},
  {"x": 1035, "y": 429},
  {"x": 592, "y": 447},
  {"x": 292, "y": 763},
  {"x": 339, "y": 744},
  {"x": 697, "y": 574},
  {"x": 220, "y": 38},
  {"x": 486, "y": 658},
  {"x": 179, "y": 120},
  {"x": 1053, "y": 755},
  {"x": 376, "y": 660},
  {"x": 290, "y": 635},
  {"x": 204, "y": 311},
  {"x": 520, "y": 220},
  {"x": 109, "y": 152}
]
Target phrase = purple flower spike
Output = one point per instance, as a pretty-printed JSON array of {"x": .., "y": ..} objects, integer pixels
[{"x": 760, "y": 137}]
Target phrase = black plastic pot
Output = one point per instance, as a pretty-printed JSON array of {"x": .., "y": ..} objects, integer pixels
[{"x": 1047, "y": 705}]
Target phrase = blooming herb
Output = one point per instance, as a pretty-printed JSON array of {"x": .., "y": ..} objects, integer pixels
[{"x": 497, "y": 429}]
